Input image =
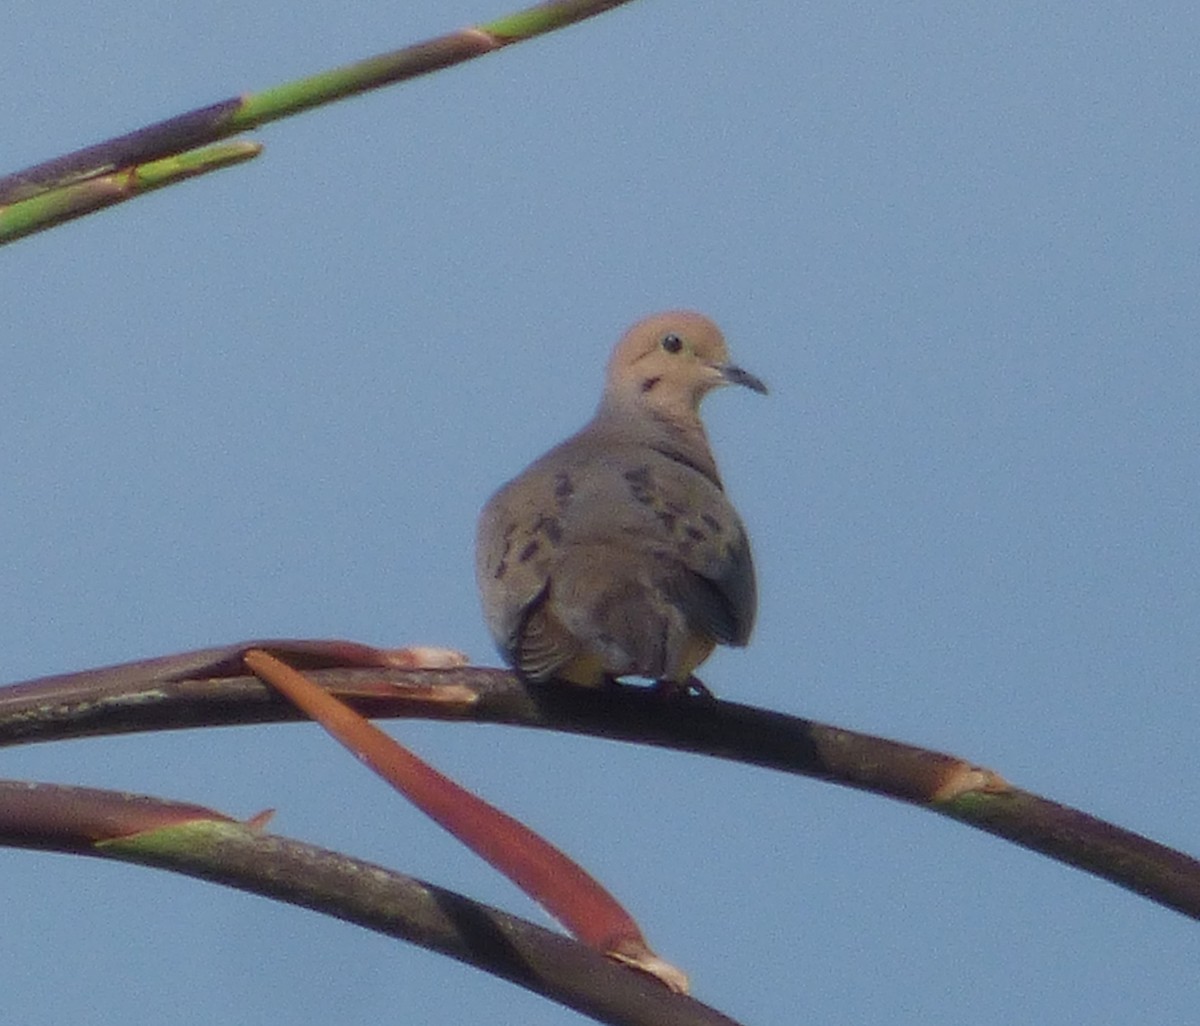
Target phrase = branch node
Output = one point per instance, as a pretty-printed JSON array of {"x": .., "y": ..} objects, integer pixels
[
  {"x": 963, "y": 778},
  {"x": 638, "y": 956}
]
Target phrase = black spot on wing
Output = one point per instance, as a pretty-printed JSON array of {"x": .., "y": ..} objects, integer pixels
[
  {"x": 640, "y": 485},
  {"x": 550, "y": 527}
]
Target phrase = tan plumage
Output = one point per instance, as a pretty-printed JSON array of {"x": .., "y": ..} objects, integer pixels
[{"x": 617, "y": 553}]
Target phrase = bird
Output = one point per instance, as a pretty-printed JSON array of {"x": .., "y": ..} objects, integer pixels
[{"x": 617, "y": 553}]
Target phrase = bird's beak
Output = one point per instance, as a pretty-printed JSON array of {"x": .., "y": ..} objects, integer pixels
[{"x": 736, "y": 376}]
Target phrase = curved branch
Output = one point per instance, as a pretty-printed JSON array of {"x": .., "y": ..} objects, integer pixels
[
  {"x": 197, "y": 842},
  {"x": 120, "y": 699}
]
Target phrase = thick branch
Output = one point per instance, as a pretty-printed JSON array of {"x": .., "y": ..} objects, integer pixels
[{"x": 115, "y": 700}]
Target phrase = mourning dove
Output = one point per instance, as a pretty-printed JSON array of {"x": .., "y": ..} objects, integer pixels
[{"x": 617, "y": 553}]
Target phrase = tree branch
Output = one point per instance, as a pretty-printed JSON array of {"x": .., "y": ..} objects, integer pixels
[
  {"x": 197, "y": 842},
  {"x": 54, "y": 191},
  {"x": 129, "y": 698}
]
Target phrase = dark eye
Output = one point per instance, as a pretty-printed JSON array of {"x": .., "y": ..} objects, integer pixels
[{"x": 672, "y": 343}]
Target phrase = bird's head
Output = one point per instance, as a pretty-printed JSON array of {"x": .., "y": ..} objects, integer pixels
[{"x": 669, "y": 362}]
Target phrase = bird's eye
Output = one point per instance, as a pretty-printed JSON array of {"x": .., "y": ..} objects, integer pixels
[{"x": 672, "y": 343}]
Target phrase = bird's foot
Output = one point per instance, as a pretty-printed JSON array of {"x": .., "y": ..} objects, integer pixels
[{"x": 687, "y": 690}]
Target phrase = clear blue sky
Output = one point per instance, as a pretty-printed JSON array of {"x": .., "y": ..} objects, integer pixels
[{"x": 960, "y": 241}]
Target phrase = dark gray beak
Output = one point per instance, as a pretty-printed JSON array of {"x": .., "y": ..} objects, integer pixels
[{"x": 737, "y": 376}]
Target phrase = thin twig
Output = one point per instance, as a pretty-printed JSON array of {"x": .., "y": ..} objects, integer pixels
[
  {"x": 29, "y": 200},
  {"x": 68, "y": 202}
]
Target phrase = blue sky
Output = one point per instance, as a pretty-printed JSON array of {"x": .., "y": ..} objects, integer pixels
[{"x": 958, "y": 241}]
